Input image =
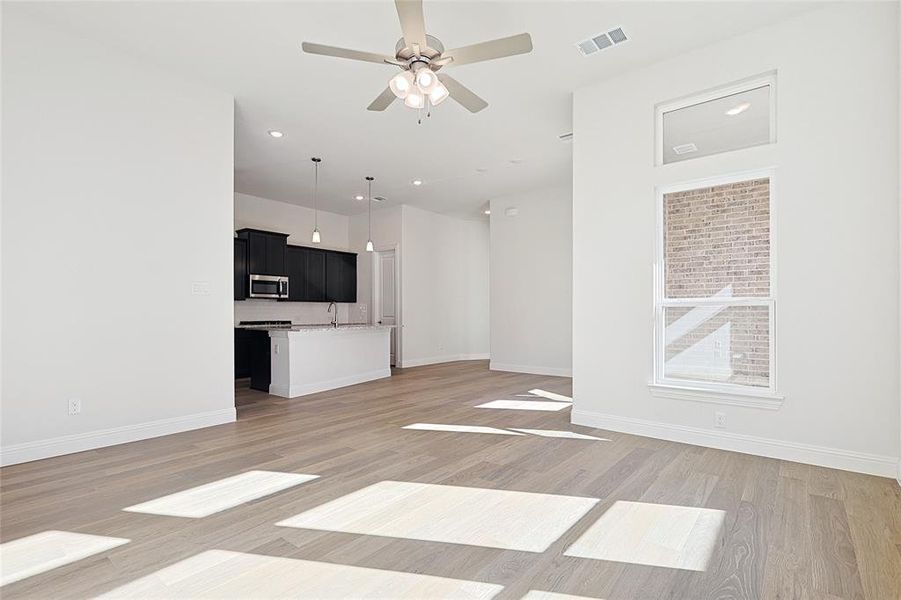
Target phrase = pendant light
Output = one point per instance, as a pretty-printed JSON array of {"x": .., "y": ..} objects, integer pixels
[
  {"x": 369, "y": 246},
  {"x": 316, "y": 237}
]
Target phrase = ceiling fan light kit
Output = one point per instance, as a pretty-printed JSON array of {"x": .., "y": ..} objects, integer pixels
[{"x": 420, "y": 56}]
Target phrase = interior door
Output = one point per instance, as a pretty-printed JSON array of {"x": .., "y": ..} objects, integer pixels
[{"x": 386, "y": 290}]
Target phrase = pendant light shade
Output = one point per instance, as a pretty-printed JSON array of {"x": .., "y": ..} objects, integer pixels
[
  {"x": 369, "y": 246},
  {"x": 316, "y": 238}
]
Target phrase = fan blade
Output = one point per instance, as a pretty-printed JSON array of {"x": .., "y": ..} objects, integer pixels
[
  {"x": 383, "y": 101},
  {"x": 508, "y": 46},
  {"x": 412, "y": 23},
  {"x": 311, "y": 48},
  {"x": 462, "y": 94}
]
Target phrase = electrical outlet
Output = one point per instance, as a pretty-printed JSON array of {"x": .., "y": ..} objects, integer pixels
[
  {"x": 74, "y": 406},
  {"x": 719, "y": 420},
  {"x": 276, "y": 348}
]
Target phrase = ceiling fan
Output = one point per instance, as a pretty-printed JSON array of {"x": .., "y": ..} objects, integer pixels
[{"x": 420, "y": 56}]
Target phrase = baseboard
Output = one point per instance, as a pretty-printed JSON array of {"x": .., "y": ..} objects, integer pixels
[
  {"x": 847, "y": 460},
  {"x": 298, "y": 390},
  {"x": 556, "y": 371},
  {"x": 79, "y": 442},
  {"x": 435, "y": 360}
]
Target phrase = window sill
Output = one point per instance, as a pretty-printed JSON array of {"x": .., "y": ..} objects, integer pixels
[{"x": 762, "y": 400}]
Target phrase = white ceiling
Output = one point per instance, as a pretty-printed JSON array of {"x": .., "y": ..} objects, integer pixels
[{"x": 252, "y": 50}]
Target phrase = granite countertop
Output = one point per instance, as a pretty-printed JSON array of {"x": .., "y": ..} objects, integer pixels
[
  {"x": 327, "y": 327},
  {"x": 315, "y": 327}
]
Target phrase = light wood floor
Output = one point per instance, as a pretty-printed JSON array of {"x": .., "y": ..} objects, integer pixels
[{"x": 788, "y": 530}]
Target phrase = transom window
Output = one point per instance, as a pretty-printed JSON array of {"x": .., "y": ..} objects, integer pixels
[{"x": 714, "y": 305}]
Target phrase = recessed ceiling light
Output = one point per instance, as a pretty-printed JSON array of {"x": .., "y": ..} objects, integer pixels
[
  {"x": 276, "y": 133},
  {"x": 358, "y": 197},
  {"x": 488, "y": 212},
  {"x": 416, "y": 182},
  {"x": 738, "y": 109}
]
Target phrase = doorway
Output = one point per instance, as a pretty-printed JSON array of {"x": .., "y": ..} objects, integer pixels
[{"x": 386, "y": 296}]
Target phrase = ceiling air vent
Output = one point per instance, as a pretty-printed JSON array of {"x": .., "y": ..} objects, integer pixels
[
  {"x": 587, "y": 47},
  {"x": 565, "y": 137},
  {"x": 602, "y": 41},
  {"x": 617, "y": 35},
  {"x": 685, "y": 148}
]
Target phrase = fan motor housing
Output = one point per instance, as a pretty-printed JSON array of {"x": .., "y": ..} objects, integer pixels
[{"x": 433, "y": 50}]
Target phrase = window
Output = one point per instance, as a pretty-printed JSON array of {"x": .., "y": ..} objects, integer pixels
[
  {"x": 730, "y": 118},
  {"x": 714, "y": 305}
]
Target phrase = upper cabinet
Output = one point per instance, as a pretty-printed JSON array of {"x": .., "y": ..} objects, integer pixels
[
  {"x": 306, "y": 274},
  {"x": 240, "y": 269},
  {"x": 266, "y": 251},
  {"x": 317, "y": 275},
  {"x": 341, "y": 277}
]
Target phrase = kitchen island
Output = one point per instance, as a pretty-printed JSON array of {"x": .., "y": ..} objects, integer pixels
[{"x": 314, "y": 358}]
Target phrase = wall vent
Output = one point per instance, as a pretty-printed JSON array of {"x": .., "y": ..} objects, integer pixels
[
  {"x": 565, "y": 137},
  {"x": 685, "y": 148},
  {"x": 602, "y": 41}
]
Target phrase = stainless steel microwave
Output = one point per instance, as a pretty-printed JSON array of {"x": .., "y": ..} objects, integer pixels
[{"x": 268, "y": 286}]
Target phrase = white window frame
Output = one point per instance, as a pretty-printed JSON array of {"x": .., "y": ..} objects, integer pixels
[
  {"x": 746, "y": 85},
  {"x": 724, "y": 393}
]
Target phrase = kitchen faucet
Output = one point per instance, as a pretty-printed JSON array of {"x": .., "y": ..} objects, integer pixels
[{"x": 335, "y": 318}]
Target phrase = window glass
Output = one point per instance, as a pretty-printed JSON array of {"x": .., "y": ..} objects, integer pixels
[{"x": 732, "y": 122}]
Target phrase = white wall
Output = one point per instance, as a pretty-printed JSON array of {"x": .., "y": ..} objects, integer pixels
[
  {"x": 298, "y": 222},
  {"x": 531, "y": 282},
  {"x": 387, "y": 233},
  {"x": 117, "y": 197},
  {"x": 445, "y": 288},
  {"x": 837, "y": 225},
  {"x": 443, "y": 273}
]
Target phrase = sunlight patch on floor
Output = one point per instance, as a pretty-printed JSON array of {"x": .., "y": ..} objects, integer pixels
[
  {"x": 442, "y": 513},
  {"x": 48, "y": 550},
  {"x": 210, "y": 498},
  {"x": 556, "y": 433},
  {"x": 225, "y": 574},
  {"x": 526, "y": 405},
  {"x": 459, "y": 428},
  {"x": 661, "y": 535},
  {"x": 550, "y": 395}
]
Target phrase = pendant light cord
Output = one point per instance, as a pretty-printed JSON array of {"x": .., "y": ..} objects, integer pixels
[
  {"x": 369, "y": 180},
  {"x": 316, "y": 162}
]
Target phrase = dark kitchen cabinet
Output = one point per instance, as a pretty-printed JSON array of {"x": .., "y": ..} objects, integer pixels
[
  {"x": 265, "y": 251},
  {"x": 253, "y": 357},
  {"x": 260, "y": 360},
  {"x": 314, "y": 280},
  {"x": 242, "y": 353},
  {"x": 240, "y": 269},
  {"x": 306, "y": 274},
  {"x": 341, "y": 277}
]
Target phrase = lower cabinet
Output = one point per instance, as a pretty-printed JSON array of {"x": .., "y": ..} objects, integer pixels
[
  {"x": 252, "y": 358},
  {"x": 242, "y": 354},
  {"x": 260, "y": 361}
]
